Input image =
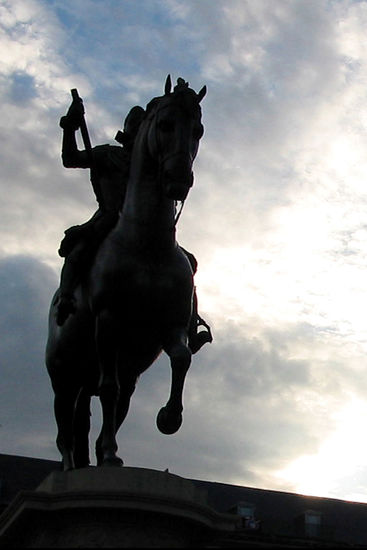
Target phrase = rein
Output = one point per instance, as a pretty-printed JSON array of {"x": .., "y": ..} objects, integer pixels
[{"x": 177, "y": 217}]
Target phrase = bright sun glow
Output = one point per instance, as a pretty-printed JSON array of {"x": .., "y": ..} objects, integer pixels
[
  {"x": 306, "y": 268},
  {"x": 282, "y": 286},
  {"x": 339, "y": 456},
  {"x": 310, "y": 269}
]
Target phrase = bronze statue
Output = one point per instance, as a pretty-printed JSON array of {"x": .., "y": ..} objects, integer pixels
[
  {"x": 129, "y": 293},
  {"x": 109, "y": 169}
]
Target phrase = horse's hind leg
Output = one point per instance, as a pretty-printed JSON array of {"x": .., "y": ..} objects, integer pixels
[
  {"x": 64, "y": 406},
  {"x": 109, "y": 389},
  {"x": 169, "y": 418},
  {"x": 81, "y": 430}
]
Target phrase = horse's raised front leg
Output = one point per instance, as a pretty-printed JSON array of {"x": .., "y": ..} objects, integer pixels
[
  {"x": 169, "y": 418},
  {"x": 109, "y": 389}
]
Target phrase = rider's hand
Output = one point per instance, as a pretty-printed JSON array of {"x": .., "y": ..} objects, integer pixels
[{"x": 72, "y": 120}]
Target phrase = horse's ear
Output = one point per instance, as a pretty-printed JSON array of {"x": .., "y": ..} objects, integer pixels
[
  {"x": 202, "y": 93},
  {"x": 168, "y": 85}
]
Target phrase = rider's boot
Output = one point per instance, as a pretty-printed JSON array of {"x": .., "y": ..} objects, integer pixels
[{"x": 198, "y": 339}]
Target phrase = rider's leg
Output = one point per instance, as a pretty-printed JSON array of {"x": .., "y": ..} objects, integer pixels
[
  {"x": 77, "y": 233},
  {"x": 79, "y": 257},
  {"x": 70, "y": 276},
  {"x": 191, "y": 258},
  {"x": 196, "y": 339}
]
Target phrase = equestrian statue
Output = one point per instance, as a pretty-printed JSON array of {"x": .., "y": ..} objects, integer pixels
[{"x": 127, "y": 288}]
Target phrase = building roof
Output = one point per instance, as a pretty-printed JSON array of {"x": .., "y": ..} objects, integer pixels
[
  {"x": 286, "y": 513},
  {"x": 276, "y": 513},
  {"x": 20, "y": 473}
]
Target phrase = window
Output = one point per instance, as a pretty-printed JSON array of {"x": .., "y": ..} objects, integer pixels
[
  {"x": 312, "y": 523},
  {"x": 247, "y": 512},
  {"x": 309, "y": 524}
]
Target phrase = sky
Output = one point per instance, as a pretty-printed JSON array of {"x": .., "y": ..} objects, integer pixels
[{"x": 277, "y": 220}]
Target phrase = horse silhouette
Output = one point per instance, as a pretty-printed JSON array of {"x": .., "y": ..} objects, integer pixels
[{"x": 136, "y": 299}]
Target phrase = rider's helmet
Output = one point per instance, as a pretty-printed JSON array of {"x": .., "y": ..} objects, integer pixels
[{"x": 131, "y": 126}]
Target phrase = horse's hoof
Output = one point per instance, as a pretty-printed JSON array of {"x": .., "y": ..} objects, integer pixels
[
  {"x": 114, "y": 462},
  {"x": 82, "y": 465},
  {"x": 67, "y": 465},
  {"x": 168, "y": 423},
  {"x": 67, "y": 468}
]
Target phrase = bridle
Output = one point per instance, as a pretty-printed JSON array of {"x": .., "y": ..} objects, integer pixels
[{"x": 162, "y": 159}]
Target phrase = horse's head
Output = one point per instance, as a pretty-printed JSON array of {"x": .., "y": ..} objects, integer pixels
[{"x": 173, "y": 136}]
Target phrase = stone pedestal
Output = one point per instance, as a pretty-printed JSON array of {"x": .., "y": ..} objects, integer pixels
[{"x": 112, "y": 508}]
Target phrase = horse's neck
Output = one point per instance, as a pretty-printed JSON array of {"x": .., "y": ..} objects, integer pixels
[{"x": 147, "y": 217}]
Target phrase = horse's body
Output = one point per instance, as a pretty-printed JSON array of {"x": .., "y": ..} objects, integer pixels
[{"x": 137, "y": 298}]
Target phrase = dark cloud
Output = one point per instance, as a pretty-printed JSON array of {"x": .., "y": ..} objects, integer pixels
[{"x": 26, "y": 287}]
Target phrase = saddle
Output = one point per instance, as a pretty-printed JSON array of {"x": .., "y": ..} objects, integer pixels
[{"x": 73, "y": 236}]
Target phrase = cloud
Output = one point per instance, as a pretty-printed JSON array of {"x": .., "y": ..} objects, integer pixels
[
  {"x": 26, "y": 287},
  {"x": 276, "y": 218}
]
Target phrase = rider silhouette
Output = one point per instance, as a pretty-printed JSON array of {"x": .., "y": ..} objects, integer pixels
[{"x": 109, "y": 166}]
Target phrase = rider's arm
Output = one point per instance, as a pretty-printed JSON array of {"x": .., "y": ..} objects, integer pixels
[{"x": 71, "y": 156}]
